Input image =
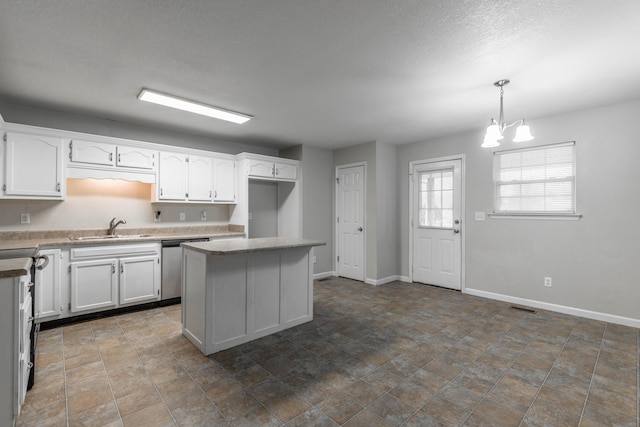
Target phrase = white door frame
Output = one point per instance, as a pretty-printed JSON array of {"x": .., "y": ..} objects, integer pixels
[
  {"x": 336, "y": 241},
  {"x": 412, "y": 165}
]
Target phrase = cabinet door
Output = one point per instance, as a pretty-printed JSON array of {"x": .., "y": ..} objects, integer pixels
[
  {"x": 224, "y": 180},
  {"x": 34, "y": 166},
  {"x": 139, "y": 279},
  {"x": 284, "y": 171},
  {"x": 172, "y": 177},
  {"x": 92, "y": 153},
  {"x": 48, "y": 281},
  {"x": 200, "y": 178},
  {"x": 134, "y": 157},
  {"x": 94, "y": 285},
  {"x": 260, "y": 168}
]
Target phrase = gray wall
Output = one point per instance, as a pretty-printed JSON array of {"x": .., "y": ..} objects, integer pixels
[
  {"x": 316, "y": 178},
  {"x": 593, "y": 261},
  {"x": 263, "y": 207},
  {"x": 387, "y": 211}
]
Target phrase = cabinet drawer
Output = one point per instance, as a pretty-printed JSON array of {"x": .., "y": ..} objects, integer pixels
[{"x": 111, "y": 251}]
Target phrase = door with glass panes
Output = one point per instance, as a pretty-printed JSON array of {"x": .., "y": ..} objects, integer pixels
[{"x": 436, "y": 225}]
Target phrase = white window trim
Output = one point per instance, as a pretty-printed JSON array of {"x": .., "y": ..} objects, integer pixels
[{"x": 569, "y": 216}]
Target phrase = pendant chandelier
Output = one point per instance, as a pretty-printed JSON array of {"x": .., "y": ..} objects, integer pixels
[{"x": 495, "y": 130}]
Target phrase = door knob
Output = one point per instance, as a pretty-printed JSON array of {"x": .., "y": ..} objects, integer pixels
[{"x": 359, "y": 228}]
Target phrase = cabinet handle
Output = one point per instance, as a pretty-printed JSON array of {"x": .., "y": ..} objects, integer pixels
[
  {"x": 215, "y": 193},
  {"x": 119, "y": 157},
  {"x": 29, "y": 365},
  {"x": 111, "y": 157},
  {"x": 113, "y": 268},
  {"x": 186, "y": 195},
  {"x": 121, "y": 268},
  {"x": 161, "y": 191},
  {"x": 58, "y": 187},
  {"x": 276, "y": 171}
]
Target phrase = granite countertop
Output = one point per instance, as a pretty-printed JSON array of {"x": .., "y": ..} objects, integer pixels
[
  {"x": 230, "y": 247},
  {"x": 14, "y": 267},
  {"x": 36, "y": 240},
  {"x": 58, "y": 238}
]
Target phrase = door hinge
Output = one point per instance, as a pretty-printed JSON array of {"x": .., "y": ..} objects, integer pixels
[
  {"x": 4, "y": 187},
  {"x": 5, "y": 137},
  {"x": 158, "y": 260},
  {"x": 338, "y": 258},
  {"x": 69, "y": 269},
  {"x": 69, "y": 306},
  {"x": 337, "y": 180},
  {"x": 158, "y": 291}
]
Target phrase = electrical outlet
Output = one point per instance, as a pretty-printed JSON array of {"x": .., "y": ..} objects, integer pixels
[
  {"x": 479, "y": 216},
  {"x": 203, "y": 215},
  {"x": 25, "y": 218},
  {"x": 182, "y": 216},
  {"x": 156, "y": 216},
  {"x": 547, "y": 282},
  {"x": 250, "y": 215}
]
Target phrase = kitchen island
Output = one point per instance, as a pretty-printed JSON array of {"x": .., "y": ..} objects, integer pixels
[{"x": 236, "y": 291}]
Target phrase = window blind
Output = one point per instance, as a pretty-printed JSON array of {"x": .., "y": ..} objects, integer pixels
[{"x": 535, "y": 180}]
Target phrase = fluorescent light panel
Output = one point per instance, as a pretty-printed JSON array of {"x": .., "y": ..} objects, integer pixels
[{"x": 192, "y": 107}]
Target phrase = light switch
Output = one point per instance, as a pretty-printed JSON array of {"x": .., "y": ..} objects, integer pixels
[
  {"x": 182, "y": 216},
  {"x": 479, "y": 216},
  {"x": 25, "y": 218}
]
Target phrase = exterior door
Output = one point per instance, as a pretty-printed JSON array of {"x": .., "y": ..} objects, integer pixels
[
  {"x": 350, "y": 207},
  {"x": 436, "y": 231}
]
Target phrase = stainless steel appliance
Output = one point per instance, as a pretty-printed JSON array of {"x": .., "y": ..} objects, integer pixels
[
  {"x": 171, "y": 286},
  {"x": 39, "y": 262}
]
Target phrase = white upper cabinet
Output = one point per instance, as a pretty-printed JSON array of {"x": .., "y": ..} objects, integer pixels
[
  {"x": 33, "y": 167},
  {"x": 172, "y": 177},
  {"x": 135, "y": 157},
  {"x": 224, "y": 180},
  {"x": 185, "y": 178},
  {"x": 200, "y": 182},
  {"x": 92, "y": 153},
  {"x": 271, "y": 168},
  {"x": 286, "y": 171}
]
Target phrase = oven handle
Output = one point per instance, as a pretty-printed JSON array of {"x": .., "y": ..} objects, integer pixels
[{"x": 45, "y": 262}]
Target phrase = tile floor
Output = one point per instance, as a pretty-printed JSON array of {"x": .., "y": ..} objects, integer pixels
[{"x": 394, "y": 355}]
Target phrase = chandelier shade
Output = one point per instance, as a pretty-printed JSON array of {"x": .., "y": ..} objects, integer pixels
[{"x": 495, "y": 131}]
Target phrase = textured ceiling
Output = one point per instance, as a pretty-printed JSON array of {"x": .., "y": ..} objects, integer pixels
[{"x": 328, "y": 73}]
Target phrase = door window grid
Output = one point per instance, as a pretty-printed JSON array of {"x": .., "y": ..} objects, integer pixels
[
  {"x": 535, "y": 180},
  {"x": 436, "y": 199}
]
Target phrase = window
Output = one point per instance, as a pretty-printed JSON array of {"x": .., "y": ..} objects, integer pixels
[
  {"x": 436, "y": 199},
  {"x": 539, "y": 180}
]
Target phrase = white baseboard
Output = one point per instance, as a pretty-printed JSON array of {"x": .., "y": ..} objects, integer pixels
[
  {"x": 404, "y": 279},
  {"x": 377, "y": 282},
  {"x": 324, "y": 275},
  {"x": 595, "y": 315}
]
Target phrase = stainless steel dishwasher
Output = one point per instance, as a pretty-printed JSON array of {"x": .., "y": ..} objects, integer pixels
[{"x": 171, "y": 286}]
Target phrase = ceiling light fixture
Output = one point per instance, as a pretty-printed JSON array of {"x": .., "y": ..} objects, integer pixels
[
  {"x": 495, "y": 131},
  {"x": 192, "y": 107}
]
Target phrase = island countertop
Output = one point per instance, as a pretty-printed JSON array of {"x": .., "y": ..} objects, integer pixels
[{"x": 239, "y": 246}]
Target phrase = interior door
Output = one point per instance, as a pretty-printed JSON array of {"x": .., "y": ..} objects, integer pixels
[
  {"x": 436, "y": 225},
  {"x": 351, "y": 222}
]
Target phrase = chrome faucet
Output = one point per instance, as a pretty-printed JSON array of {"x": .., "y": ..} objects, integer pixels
[{"x": 113, "y": 224}]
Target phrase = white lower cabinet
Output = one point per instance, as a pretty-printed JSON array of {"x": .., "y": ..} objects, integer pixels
[
  {"x": 139, "y": 279},
  {"x": 48, "y": 303},
  {"x": 15, "y": 352},
  {"x": 93, "y": 285},
  {"x": 105, "y": 277}
]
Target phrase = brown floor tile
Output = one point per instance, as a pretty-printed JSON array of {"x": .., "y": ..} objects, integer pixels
[
  {"x": 367, "y": 358},
  {"x": 498, "y": 414},
  {"x": 157, "y": 415},
  {"x": 445, "y": 412},
  {"x": 340, "y": 407}
]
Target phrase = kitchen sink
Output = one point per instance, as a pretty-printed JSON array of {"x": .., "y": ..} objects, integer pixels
[{"x": 110, "y": 237}]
